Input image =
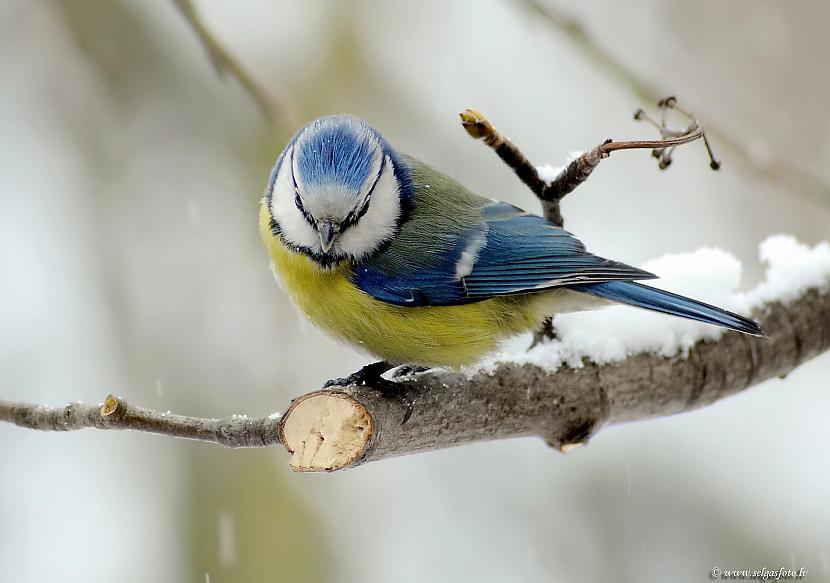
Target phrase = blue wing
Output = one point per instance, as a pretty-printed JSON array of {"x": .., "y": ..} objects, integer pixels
[{"x": 504, "y": 251}]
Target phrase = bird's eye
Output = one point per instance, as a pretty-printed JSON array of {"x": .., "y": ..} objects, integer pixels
[
  {"x": 298, "y": 202},
  {"x": 356, "y": 215}
]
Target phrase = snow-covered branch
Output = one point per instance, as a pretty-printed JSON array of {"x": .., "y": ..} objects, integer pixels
[{"x": 604, "y": 368}]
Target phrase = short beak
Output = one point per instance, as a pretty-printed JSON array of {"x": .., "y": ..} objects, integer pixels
[{"x": 327, "y": 235}]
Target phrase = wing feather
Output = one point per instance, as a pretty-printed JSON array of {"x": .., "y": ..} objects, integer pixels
[{"x": 507, "y": 251}]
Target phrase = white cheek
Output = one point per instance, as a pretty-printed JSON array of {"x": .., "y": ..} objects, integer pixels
[
  {"x": 380, "y": 221},
  {"x": 295, "y": 229}
]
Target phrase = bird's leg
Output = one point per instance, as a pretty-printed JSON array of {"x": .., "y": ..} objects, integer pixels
[
  {"x": 364, "y": 376},
  {"x": 544, "y": 333},
  {"x": 371, "y": 376}
]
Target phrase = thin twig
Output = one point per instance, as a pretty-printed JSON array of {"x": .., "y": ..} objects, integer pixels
[
  {"x": 646, "y": 144},
  {"x": 575, "y": 173},
  {"x": 225, "y": 64},
  {"x": 479, "y": 127},
  {"x": 115, "y": 413}
]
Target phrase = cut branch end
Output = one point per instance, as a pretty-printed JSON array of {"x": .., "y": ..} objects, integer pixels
[{"x": 325, "y": 431}]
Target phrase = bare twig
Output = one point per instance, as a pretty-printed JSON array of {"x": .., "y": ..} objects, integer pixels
[
  {"x": 114, "y": 413},
  {"x": 224, "y": 63},
  {"x": 777, "y": 172},
  {"x": 480, "y": 128},
  {"x": 575, "y": 173},
  {"x": 335, "y": 429}
]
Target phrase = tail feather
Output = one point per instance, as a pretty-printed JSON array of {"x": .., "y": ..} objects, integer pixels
[{"x": 649, "y": 298}]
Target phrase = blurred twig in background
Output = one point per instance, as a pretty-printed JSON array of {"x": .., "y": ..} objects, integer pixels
[
  {"x": 775, "y": 171},
  {"x": 274, "y": 111}
]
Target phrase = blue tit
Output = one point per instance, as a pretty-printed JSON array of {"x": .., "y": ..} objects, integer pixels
[{"x": 401, "y": 261}]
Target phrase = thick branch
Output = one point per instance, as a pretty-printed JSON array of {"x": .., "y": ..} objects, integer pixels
[
  {"x": 335, "y": 429},
  {"x": 331, "y": 430}
]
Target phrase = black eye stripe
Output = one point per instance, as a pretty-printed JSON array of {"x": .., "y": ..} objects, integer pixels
[
  {"x": 298, "y": 201},
  {"x": 353, "y": 217}
]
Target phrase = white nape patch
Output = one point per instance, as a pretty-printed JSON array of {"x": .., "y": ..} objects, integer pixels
[
  {"x": 708, "y": 275},
  {"x": 469, "y": 256},
  {"x": 548, "y": 173},
  {"x": 295, "y": 229},
  {"x": 379, "y": 223}
]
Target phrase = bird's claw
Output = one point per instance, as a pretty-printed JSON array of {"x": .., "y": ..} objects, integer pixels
[
  {"x": 407, "y": 370},
  {"x": 400, "y": 391},
  {"x": 371, "y": 375},
  {"x": 370, "y": 372},
  {"x": 353, "y": 379}
]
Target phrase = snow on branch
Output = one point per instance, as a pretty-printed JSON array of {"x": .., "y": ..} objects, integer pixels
[
  {"x": 710, "y": 275},
  {"x": 605, "y": 367},
  {"x": 611, "y": 366},
  {"x": 602, "y": 368}
]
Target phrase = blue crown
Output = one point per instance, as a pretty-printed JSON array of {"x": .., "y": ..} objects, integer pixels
[
  {"x": 336, "y": 149},
  {"x": 341, "y": 148}
]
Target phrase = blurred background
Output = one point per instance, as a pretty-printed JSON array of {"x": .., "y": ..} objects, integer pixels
[{"x": 130, "y": 175}]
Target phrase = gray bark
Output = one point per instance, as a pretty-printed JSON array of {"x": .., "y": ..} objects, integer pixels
[{"x": 565, "y": 408}]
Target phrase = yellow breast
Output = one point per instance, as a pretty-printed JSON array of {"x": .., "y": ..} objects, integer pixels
[{"x": 429, "y": 335}]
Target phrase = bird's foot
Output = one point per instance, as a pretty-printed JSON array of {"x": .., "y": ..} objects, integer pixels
[
  {"x": 367, "y": 374},
  {"x": 407, "y": 370},
  {"x": 371, "y": 375},
  {"x": 544, "y": 334}
]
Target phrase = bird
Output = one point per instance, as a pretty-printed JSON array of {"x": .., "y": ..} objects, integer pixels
[{"x": 398, "y": 259}]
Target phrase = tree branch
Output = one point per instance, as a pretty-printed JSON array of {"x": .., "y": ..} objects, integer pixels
[
  {"x": 114, "y": 413},
  {"x": 550, "y": 193},
  {"x": 331, "y": 430}
]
